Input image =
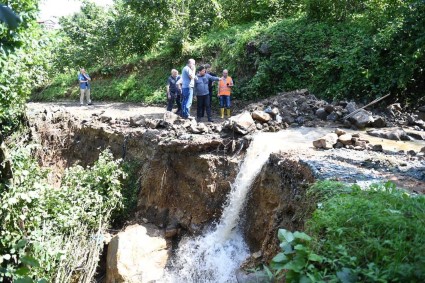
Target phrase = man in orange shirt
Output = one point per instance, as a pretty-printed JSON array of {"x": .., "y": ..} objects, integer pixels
[{"x": 224, "y": 91}]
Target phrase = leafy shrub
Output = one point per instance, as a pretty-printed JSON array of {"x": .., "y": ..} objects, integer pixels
[
  {"x": 362, "y": 236},
  {"x": 49, "y": 232}
]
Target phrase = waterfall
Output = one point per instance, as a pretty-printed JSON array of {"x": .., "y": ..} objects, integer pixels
[{"x": 219, "y": 252}]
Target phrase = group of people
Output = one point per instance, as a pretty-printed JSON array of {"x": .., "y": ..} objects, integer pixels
[
  {"x": 181, "y": 89},
  {"x": 198, "y": 82}
]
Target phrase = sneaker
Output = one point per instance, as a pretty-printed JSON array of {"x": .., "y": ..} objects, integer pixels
[
  {"x": 210, "y": 120},
  {"x": 89, "y": 103}
]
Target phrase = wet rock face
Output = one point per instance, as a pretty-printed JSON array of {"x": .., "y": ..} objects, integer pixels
[{"x": 276, "y": 200}]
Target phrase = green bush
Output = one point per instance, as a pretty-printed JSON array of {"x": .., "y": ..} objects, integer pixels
[
  {"x": 51, "y": 232},
  {"x": 362, "y": 236}
]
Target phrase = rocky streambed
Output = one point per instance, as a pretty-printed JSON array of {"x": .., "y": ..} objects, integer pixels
[{"x": 186, "y": 169}]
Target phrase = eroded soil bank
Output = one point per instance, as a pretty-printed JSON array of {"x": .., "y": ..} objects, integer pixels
[{"x": 185, "y": 168}]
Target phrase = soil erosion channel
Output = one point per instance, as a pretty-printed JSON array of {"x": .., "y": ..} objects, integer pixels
[{"x": 217, "y": 198}]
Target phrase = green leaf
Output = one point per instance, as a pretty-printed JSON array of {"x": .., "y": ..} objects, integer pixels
[
  {"x": 280, "y": 257},
  {"x": 305, "y": 279},
  {"x": 28, "y": 260},
  {"x": 287, "y": 248},
  {"x": 22, "y": 271},
  {"x": 20, "y": 244},
  {"x": 346, "y": 275},
  {"x": 285, "y": 235},
  {"x": 268, "y": 272},
  {"x": 302, "y": 236},
  {"x": 24, "y": 280},
  {"x": 315, "y": 257}
]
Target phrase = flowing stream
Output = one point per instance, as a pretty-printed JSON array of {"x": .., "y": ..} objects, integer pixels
[{"x": 219, "y": 252}]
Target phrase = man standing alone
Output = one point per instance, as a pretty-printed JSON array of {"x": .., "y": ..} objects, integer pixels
[
  {"x": 173, "y": 91},
  {"x": 188, "y": 82},
  {"x": 84, "y": 80},
  {"x": 224, "y": 91}
]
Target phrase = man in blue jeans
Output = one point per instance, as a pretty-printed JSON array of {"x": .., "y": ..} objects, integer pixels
[
  {"x": 84, "y": 80},
  {"x": 188, "y": 82}
]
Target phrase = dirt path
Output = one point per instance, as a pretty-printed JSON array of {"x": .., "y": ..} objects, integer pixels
[
  {"x": 114, "y": 109},
  {"x": 117, "y": 110}
]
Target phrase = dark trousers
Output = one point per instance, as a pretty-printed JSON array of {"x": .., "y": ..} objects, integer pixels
[
  {"x": 210, "y": 98},
  {"x": 174, "y": 97},
  {"x": 203, "y": 104}
]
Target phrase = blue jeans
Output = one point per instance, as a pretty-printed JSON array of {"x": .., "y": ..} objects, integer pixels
[
  {"x": 225, "y": 101},
  {"x": 187, "y": 94}
]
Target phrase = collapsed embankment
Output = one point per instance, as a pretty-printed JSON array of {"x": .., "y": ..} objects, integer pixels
[
  {"x": 183, "y": 182},
  {"x": 185, "y": 169}
]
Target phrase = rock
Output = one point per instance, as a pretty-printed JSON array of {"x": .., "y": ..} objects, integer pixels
[
  {"x": 326, "y": 142},
  {"x": 332, "y": 117},
  {"x": 361, "y": 144},
  {"x": 423, "y": 149},
  {"x": 202, "y": 128},
  {"x": 415, "y": 121},
  {"x": 278, "y": 118},
  {"x": 340, "y": 132},
  {"x": 137, "y": 121},
  {"x": 338, "y": 145},
  {"x": 361, "y": 119},
  {"x": 288, "y": 119},
  {"x": 321, "y": 113},
  {"x": 411, "y": 152},
  {"x": 275, "y": 112},
  {"x": 345, "y": 139},
  {"x": 135, "y": 257},
  {"x": 170, "y": 117},
  {"x": 377, "y": 147},
  {"x": 261, "y": 116},
  {"x": 152, "y": 123},
  {"x": 390, "y": 133},
  {"x": 351, "y": 107},
  {"x": 242, "y": 123},
  {"x": 329, "y": 108},
  {"x": 379, "y": 122},
  {"x": 421, "y": 109},
  {"x": 259, "y": 126},
  {"x": 104, "y": 118},
  {"x": 257, "y": 255}
]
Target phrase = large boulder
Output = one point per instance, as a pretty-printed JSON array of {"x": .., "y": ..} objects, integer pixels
[
  {"x": 136, "y": 257},
  {"x": 242, "y": 123},
  {"x": 261, "y": 116},
  {"x": 390, "y": 133},
  {"x": 361, "y": 119},
  {"x": 326, "y": 142}
]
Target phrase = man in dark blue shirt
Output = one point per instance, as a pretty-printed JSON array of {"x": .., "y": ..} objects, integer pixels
[
  {"x": 173, "y": 92},
  {"x": 202, "y": 92}
]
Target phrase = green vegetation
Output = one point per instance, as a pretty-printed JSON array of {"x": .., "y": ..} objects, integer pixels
[
  {"x": 357, "y": 236},
  {"x": 362, "y": 49},
  {"x": 53, "y": 233}
]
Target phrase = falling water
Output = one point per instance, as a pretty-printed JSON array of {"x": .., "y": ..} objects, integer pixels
[{"x": 216, "y": 255}]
